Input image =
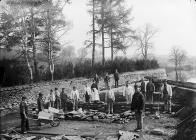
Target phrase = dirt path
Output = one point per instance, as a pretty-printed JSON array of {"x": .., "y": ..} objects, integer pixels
[{"x": 165, "y": 123}]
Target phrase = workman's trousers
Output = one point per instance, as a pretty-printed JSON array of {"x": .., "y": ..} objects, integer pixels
[
  {"x": 75, "y": 105},
  {"x": 87, "y": 98},
  {"x": 24, "y": 123},
  {"x": 128, "y": 98},
  {"x": 139, "y": 119},
  {"x": 52, "y": 104},
  {"x": 58, "y": 103},
  {"x": 107, "y": 85},
  {"x": 116, "y": 83},
  {"x": 150, "y": 97},
  {"x": 167, "y": 103},
  {"x": 64, "y": 105},
  {"x": 110, "y": 106}
]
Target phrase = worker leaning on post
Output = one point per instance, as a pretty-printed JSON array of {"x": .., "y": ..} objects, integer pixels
[
  {"x": 167, "y": 96},
  {"x": 75, "y": 98},
  {"x": 138, "y": 105},
  {"x": 110, "y": 99}
]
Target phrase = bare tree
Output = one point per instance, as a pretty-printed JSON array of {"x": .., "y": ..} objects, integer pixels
[
  {"x": 177, "y": 57},
  {"x": 145, "y": 40}
]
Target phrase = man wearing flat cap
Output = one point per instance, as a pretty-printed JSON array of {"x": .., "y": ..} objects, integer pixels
[
  {"x": 40, "y": 102},
  {"x": 167, "y": 96},
  {"x": 23, "y": 115},
  {"x": 138, "y": 105}
]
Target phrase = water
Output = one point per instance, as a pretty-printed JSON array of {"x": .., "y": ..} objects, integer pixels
[{"x": 192, "y": 80}]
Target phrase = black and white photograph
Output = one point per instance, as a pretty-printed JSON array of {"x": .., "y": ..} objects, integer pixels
[{"x": 98, "y": 69}]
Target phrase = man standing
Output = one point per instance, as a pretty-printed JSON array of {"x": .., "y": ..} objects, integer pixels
[
  {"x": 51, "y": 98},
  {"x": 143, "y": 88},
  {"x": 87, "y": 93},
  {"x": 109, "y": 99},
  {"x": 64, "y": 99},
  {"x": 150, "y": 88},
  {"x": 96, "y": 79},
  {"x": 75, "y": 98},
  {"x": 23, "y": 115},
  {"x": 128, "y": 92},
  {"x": 40, "y": 102},
  {"x": 58, "y": 99},
  {"x": 106, "y": 80},
  {"x": 137, "y": 106},
  {"x": 167, "y": 96},
  {"x": 94, "y": 85},
  {"x": 116, "y": 78}
]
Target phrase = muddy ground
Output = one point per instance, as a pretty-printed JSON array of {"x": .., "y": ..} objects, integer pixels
[{"x": 166, "y": 124}]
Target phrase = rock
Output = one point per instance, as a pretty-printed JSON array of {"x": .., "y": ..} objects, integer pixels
[
  {"x": 44, "y": 138},
  {"x": 126, "y": 135},
  {"x": 158, "y": 132},
  {"x": 30, "y": 138}
]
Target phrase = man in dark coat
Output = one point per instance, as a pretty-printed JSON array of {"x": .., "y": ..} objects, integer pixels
[
  {"x": 94, "y": 85},
  {"x": 150, "y": 88},
  {"x": 64, "y": 99},
  {"x": 23, "y": 115},
  {"x": 96, "y": 79},
  {"x": 138, "y": 105},
  {"x": 116, "y": 78},
  {"x": 40, "y": 102},
  {"x": 106, "y": 80}
]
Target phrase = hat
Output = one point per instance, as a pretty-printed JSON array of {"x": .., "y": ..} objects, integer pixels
[
  {"x": 24, "y": 97},
  {"x": 40, "y": 94},
  {"x": 136, "y": 86}
]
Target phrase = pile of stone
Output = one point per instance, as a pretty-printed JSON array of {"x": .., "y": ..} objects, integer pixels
[{"x": 94, "y": 115}]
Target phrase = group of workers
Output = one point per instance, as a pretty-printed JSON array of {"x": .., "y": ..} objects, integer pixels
[{"x": 135, "y": 95}]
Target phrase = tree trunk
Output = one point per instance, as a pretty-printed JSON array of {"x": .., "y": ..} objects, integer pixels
[
  {"x": 93, "y": 53},
  {"x": 34, "y": 47},
  {"x": 52, "y": 70},
  {"x": 112, "y": 49},
  {"x": 28, "y": 64},
  {"x": 176, "y": 70},
  {"x": 50, "y": 59},
  {"x": 102, "y": 33}
]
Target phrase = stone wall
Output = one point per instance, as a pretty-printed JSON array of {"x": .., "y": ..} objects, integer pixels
[{"x": 10, "y": 97}]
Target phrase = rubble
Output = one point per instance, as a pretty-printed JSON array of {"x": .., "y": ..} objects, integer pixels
[
  {"x": 126, "y": 135},
  {"x": 93, "y": 115}
]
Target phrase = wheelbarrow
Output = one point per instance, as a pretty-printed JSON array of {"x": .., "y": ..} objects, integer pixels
[{"x": 46, "y": 118}]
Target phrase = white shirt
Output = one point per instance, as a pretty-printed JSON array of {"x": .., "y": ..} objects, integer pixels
[
  {"x": 95, "y": 95},
  {"x": 57, "y": 93},
  {"x": 110, "y": 95},
  {"x": 128, "y": 90},
  {"x": 52, "y": 96},
  {"x": 88, "y": 90},
  {"x": 75, "y": 95},
  {"x": 169, "y": 89}
]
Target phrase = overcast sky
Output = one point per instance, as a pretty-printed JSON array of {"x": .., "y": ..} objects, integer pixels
[{"x": 175, "y": 19}]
